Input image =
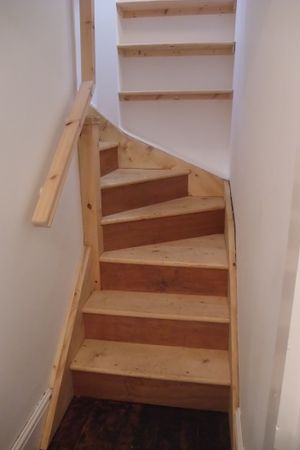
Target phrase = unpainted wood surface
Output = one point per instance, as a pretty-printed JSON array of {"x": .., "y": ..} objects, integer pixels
[
  {"x": 134, "y": 153},
  {"x": 174, "y": 95},
  {"x": 152, "y": 231},
  {"x": 71, "y": 339},
  {"x": 51, "y": 190},
  {"x": 178, "y": 206},
  {"x": 107, "y": 145},
  {"x": 153, "y": 362},
  {"x": 168, "y": 279},
  {"x": 121, "y": 177},
  {"x": 89, "y": 172},
  {"x": 152, "y": 391},
  {"x": 153, "y": 8},
  {"x": 147, "y": 192},
  {"x": 232, "y": 292},
  {"x": 163, "y": 306},
  {"x": 108, "y": 160},
  {"x": 157, "y": 331},
  {"x": 176, "y": 49},
  {"x": 204, "y": 251},
  {"x": 87, "y": 40}
]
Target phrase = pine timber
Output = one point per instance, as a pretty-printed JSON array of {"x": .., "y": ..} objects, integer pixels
[
  {"x": 174, "y": 95},
  {"x": 176, "y": 49},
  {"x": 154, "y": 8}
]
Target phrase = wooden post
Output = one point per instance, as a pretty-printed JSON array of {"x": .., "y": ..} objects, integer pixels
[
  {"x": 87, "y": 31},
  {"x": 89, "y": 169}
]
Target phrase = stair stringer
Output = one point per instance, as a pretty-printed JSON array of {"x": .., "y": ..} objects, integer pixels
[{"x": 134, "y": 153}]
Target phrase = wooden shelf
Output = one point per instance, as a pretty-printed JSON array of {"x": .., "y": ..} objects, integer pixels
[
  {"x": 177, "y": 49},
  {"x": 174, "y": 95},
  {"x": 152, "y": 8}
]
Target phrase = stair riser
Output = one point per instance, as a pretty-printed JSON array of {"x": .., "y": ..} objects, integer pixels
[
  {"x": 108, "y": 160},
  {"x": 151, "y": 391},
  {"x": 157, "y": 331},
  {"x": 151, "y": 231},
  {"x": 153, "y": 278},
  {"x": 131, "y": 196}
]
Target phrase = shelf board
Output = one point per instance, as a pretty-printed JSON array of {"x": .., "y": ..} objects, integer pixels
[
  {"x": 154, "y": 8},
  {"x": 175, "y": 95},
  {"x": 177, "y": 49}
]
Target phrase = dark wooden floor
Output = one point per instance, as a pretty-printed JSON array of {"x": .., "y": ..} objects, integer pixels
[{"x": 106, "y": 425}]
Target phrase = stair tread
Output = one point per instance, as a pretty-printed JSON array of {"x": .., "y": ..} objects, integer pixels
[
  {"x": 121, "y": 177},
  {"x": 160, "y": 306},
  {"x": 178, "y": 206},
  {"x": 153, "y": 362},
  {"x": 106, "y": 145},
  {"x": 204, "y": 251}
]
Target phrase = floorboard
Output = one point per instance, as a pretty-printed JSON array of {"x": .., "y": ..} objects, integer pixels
[{"x": 91, "y": 424}]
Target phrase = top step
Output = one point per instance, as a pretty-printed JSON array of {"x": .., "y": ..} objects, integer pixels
[{"x": 154, "y": 8}]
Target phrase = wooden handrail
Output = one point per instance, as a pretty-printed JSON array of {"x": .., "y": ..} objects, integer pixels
[{"x": 50, "y": 192}]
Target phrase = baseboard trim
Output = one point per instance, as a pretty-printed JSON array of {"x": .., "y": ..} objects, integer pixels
[
  {"x": 240, "y": 442},
  {"x": 33, "y": 425}
]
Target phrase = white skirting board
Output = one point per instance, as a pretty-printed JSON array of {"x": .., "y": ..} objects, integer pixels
[
  {"x": 240, "y": 442},
  {"x": 29, "y": 438}
]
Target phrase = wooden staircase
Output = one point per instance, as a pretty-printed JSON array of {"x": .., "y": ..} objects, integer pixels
[{"x": 158, "y": 331}]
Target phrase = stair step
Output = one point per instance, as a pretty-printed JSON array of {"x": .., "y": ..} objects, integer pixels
[
  {"x": 160, "y": 319},
  {"x": 189, "y": 266},
  {"x": 108, "y": 154},
  {"x": 107, "y": 145},
  {"x": 123, "y": 177},
  {"x": 176, "y": 49},
  {"x": 174, "y": 95},
  {"x": 126, "y": 189},
  {"x": 153, "y": 361},
  {"x": 204, "y": 251},
  {"x": 174, "y": 376},
  {"x": 152, "y": 8},
  {"x": 158, "y": 306},
  {"x": 175, "y": 219},
  {"x": 176, "y": 207}
]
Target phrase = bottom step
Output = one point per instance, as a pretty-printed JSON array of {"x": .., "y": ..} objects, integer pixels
[{"x": 162, "y": 375}]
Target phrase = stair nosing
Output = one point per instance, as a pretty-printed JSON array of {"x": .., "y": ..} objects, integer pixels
[
  {"x": 109, "y": 220},
  {"x": 182, "y": 379}
]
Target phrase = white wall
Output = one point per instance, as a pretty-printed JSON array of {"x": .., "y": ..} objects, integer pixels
[
  {"x": 37, "y": 266},
  {"x": 288, "y": 425},
  {"x": 266, "y": 139},
  {"x": 106, "y": 98},
  {"x": 197, "y": 131}
]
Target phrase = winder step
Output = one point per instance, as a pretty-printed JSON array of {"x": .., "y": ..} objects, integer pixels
[
  {"x": 176, "y": 207},
  {"x": 205, "y": 252},
  {"x": 121, "y": 177}
]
